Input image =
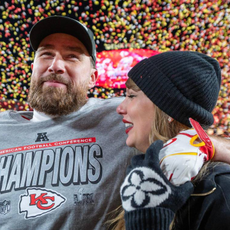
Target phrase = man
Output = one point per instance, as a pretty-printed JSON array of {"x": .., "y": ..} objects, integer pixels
[{"x": 62, "y": 165}]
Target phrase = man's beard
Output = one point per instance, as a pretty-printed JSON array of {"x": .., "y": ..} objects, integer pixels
[{"x": 57, "y": 101}]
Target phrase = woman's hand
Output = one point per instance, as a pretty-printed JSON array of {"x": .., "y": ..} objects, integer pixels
[{"x": 145, "y": 185}]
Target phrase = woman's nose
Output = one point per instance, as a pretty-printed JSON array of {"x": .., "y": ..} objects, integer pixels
[{"x": 121, "y": 109}]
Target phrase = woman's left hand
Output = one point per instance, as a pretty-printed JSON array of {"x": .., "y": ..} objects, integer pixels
[{"x": 145, "y": 185}]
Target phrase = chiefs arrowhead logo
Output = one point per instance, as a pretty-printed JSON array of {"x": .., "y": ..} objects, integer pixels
[{"x": 39, "y": 201}]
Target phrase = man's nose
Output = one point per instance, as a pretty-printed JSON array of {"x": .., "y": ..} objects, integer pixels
[{"x": 57, "y": 65}]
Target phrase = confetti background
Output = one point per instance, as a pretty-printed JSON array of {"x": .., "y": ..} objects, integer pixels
[{"x": 131, "y": 28}]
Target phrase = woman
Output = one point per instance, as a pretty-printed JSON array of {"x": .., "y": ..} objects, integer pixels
[{"x": 163, "y": 92}]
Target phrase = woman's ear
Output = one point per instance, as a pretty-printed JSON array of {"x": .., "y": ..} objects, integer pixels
[{"x": 170, "y": 119}]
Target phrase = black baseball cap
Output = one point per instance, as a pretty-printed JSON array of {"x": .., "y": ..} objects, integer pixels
[{"x": 66, "y": 25}]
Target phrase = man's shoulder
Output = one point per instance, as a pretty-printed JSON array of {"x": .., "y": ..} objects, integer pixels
[
  {"x": 103, "y": 104},
  {"x": 96, "y": 110},
  {"x": 109, "y": 101}
]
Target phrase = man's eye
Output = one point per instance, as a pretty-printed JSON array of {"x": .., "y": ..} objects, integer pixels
[
  {"x": 46, "y": 54},
  {"x": 72, "y": 56}
]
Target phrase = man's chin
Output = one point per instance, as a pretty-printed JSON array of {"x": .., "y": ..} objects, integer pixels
[
  {"x": 57, "y": 99},
  {"x": 57, "y": 104}
]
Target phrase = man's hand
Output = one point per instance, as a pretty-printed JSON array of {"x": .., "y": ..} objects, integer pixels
[{"x": 182, "y": 157}]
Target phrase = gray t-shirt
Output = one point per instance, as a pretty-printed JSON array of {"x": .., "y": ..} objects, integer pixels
[{"x": 65, "y": 172}]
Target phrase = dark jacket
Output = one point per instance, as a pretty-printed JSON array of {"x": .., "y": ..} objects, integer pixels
[{"x": 209, "y": 206}]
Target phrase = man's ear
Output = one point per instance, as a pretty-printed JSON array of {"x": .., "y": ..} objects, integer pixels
[
  {"x": 93, "y": 78},
  {"x": 32, "y": 65}
]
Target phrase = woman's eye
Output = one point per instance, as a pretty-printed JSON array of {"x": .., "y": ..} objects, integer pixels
[{"x": 131, "y": 96}]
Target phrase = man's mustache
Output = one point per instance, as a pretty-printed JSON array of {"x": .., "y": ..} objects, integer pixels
[{"x": 54, "y": 77}]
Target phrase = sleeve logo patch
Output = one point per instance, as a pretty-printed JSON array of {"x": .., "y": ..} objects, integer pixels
[
  {"x": 4, "y": 207},
  {"x": 39, "y": 201}
]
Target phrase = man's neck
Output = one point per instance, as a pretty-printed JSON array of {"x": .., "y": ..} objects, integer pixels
[{"x": 40, "y": 116}]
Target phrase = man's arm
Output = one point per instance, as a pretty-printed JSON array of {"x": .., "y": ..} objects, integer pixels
[{"x": 222, "y": 149}]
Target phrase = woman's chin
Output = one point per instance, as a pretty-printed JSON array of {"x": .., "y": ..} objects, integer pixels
[{"x": 129, "y": 143}]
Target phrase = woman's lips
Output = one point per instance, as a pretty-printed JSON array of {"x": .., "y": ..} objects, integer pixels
[
  {"x": 128, "y": 129},
  {"x": 128, "y": 125}
]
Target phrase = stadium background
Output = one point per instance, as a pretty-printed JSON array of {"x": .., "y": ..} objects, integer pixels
[{"x": 125, "y": 33}]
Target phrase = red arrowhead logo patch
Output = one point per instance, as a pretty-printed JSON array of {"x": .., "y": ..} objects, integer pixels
[{"x": 39, "y": 201}]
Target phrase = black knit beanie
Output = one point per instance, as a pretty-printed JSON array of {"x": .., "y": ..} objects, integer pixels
[{"x": 183, "y": 84}]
